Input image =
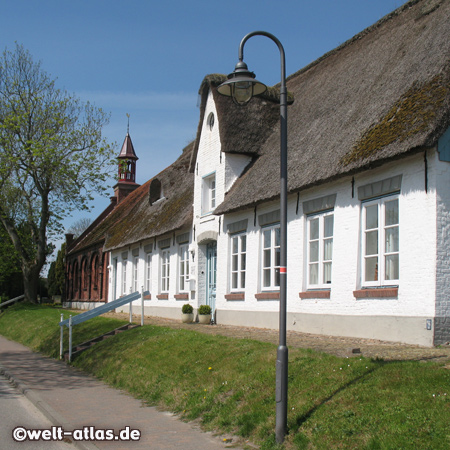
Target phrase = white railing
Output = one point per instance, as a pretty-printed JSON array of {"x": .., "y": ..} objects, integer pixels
[
  {"x": 16, "y": 299},
  {"x": 99, "y": 310}
]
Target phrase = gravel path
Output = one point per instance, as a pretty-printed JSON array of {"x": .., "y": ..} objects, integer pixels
[{"x": 339, "y": 346}]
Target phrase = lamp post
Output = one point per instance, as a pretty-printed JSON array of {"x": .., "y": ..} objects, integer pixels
[{"x": 242, "y": 86}]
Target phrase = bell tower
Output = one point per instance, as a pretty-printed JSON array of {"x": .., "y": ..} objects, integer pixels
[{"x": 127, "y": 169}]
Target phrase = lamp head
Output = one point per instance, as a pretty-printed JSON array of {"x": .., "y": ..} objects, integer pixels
[{"x": 241, "y": 85}]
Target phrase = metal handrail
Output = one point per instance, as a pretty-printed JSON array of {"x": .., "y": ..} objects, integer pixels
[
  {"x": 98, "y": 311},
  {"x": 15, "y": 299}
]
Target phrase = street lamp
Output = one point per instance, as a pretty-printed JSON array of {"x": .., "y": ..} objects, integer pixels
[{"x": 242, "y": 86}]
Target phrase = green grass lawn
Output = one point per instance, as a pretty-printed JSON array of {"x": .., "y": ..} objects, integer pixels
[{"x": 228, "y": 384}]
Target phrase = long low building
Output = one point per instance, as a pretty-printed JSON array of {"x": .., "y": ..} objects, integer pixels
[{"x": 368, "y": 199}]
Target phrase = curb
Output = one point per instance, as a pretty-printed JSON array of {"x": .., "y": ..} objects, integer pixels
[{"x": 53, "y": 416}]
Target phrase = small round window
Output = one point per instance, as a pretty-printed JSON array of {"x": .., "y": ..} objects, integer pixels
[{"x": 210, "y": 121}]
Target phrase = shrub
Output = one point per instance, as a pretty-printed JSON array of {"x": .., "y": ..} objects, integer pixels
[
  {"x": 187, "y": 309},
  {"x": 204, "y": 310}
]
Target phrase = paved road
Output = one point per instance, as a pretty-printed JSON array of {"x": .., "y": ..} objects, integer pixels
[
  {"x": 16, "y": 410},
  {"x": 71, "y": 399}
]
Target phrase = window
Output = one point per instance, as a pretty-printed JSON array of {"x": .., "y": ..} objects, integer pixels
[
  {"x": 209, "y": 194},
  {"x": 124, "y": 277},
  {"x": 155, "y": 191},
  {"x": 84, "y": 274},
  {"x": 135, "y": 273},
  {"x": 380, "y": 242},
  {"x": 238, "y": 261},
  {"x": 148, "y": 272},
  {"x": 210, "y": 121},
  {"x": 94, "y": 272},
  {"x": 165, "y": 270},
  {"x": 319, "y": 250},
  {"x": 183, "y": 268},
  {"x": 271, "y": 258}
]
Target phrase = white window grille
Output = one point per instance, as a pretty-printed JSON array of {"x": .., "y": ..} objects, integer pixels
[
  {"x": 319, "y": 250},
  {"x": 183, "y": 268},
  {"x": 380, "y": 242},
  {"x": 165, "y": 271},
  {"x": 270, "y": 263},
  {"x": 238, "y": 261}
]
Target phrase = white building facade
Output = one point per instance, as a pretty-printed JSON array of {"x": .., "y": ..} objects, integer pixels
[
  {"x": 367, "y": 254},
  {"x": 368, "y": 207}
]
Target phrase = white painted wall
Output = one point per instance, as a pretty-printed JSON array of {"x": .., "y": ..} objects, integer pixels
[
  {"x": 155, "y": 290},
  {"x": 417, "y": 249},
  {"x": 442, "y": 180},
  {"x": 423, "y": 238},
  {"x": 227, "y": 168}
]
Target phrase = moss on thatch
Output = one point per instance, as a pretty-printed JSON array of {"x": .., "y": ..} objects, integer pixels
[{"x": 413, "y": 113}]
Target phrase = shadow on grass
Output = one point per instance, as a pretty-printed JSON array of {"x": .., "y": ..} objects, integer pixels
[{"x": 307, "y": 415}]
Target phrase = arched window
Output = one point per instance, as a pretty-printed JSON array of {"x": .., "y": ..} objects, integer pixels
[
  {"x": 84, "y": 274},
  {"x": 94, "y": 271},
  {"x": 75, "y": 279},
  {"x": 210, "y": 121}
]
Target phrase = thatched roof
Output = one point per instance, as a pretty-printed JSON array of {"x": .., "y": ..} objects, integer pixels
[
  {"x": 134, "y": 220},
  {"x": 382, "y": 95},
  {"x": 242, "y": 130},
  {"x": 93, "y": 236}
]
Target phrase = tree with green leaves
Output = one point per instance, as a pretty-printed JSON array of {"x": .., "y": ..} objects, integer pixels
[
  {"x": 52, "y": 159},
  {"x": 56, "y": 277},
  {"x": 10, "y": 281}
]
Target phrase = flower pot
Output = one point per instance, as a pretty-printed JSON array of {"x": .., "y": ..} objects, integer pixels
[
  {"x": 187, "y": 318},
  {"x": 204, "y": 318}
]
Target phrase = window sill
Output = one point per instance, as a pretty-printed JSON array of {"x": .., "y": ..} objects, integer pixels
[
  {"x": 148, "y": 297},
  {"x": 182, "y": 296},
  {"x": 162, "y": 296},
  {"x": 315, "y": 294},
  {"x": 235, "y": 296},
  {"x": 268, "y": 296},
  {"x": 377, "y": 293}
]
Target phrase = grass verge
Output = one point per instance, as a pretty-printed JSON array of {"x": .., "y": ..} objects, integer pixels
[{"x": 228, "y": 384}]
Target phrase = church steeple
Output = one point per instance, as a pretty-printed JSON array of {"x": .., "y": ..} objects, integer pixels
[
  {"x": 126, "y": 168},
  {"x": 127, "y": 161}
]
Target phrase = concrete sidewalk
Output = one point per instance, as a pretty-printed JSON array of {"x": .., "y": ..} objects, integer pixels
[{"x": 73, "y": 400}]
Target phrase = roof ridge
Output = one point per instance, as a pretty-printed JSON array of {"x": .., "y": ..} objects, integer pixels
[{"x": 354, "y": 38}]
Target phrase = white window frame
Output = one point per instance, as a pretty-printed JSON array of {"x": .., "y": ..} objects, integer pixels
[
  {"x": 383, "y": 231},
  {"x": 208, "y": 193},
  {"x": 124, "y": 276},
  {"x": 135, "y": 273},
  {"x": 238, "y": 262},
  {"x": 183, "y": 268},
  {"x": 148, "y": 272},
  {"x": 323, "y": 255},
  {"x": 273, "y": 267},
  {"x": 164, "y": 271}
]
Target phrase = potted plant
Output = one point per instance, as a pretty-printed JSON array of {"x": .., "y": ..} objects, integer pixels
[
  {"x": 204, "y": 314},
  {"x": 187, "y": 313}
]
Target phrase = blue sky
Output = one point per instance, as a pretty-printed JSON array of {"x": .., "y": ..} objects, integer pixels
[{"x": 148, "y": 58}]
